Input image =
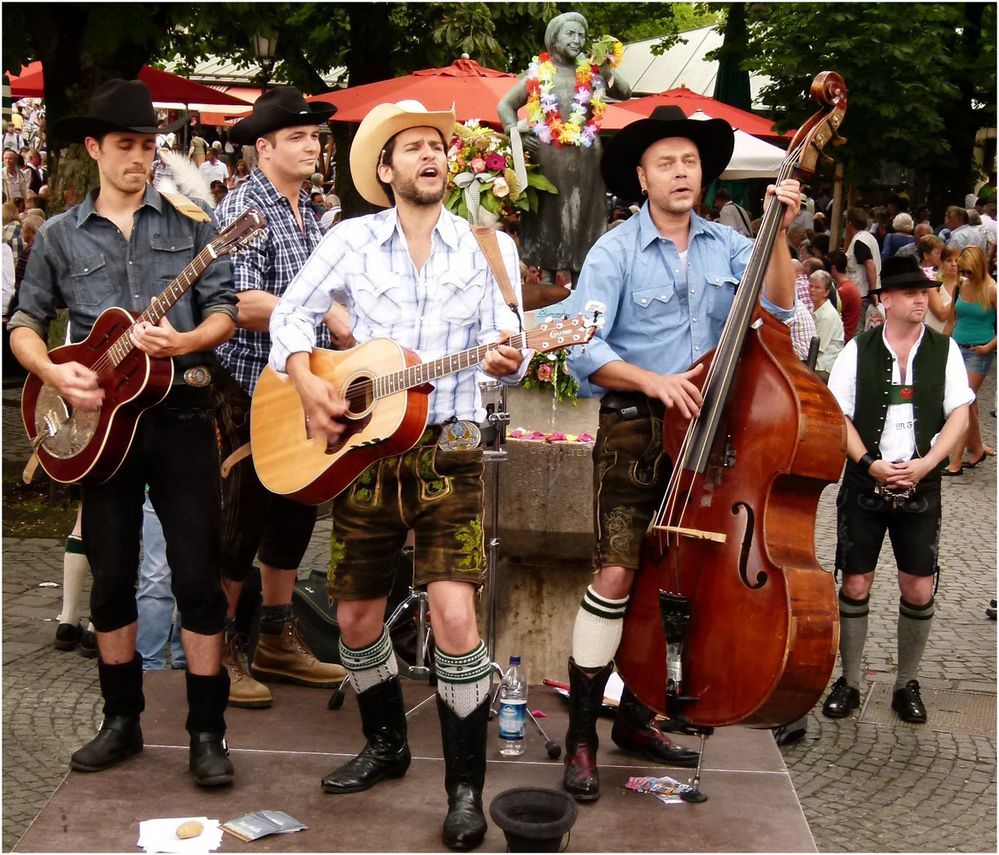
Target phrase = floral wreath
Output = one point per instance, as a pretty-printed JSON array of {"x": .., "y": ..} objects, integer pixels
[{"x": 543, "y": 112}]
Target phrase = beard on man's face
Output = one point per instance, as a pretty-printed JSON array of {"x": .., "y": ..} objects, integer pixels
[{"x": 407, "y": 189}]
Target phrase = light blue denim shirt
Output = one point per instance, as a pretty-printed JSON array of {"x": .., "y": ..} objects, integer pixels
[{"x": 657, "y": 318}]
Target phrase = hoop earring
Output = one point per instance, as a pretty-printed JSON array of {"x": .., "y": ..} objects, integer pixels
[{"x": 645, "y": 193}]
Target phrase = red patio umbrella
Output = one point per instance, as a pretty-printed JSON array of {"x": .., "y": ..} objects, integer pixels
[
  {"x": 474, "y": 89},
  {"x": 166, "y": 88},
  {"x": 689, "y": 101}
]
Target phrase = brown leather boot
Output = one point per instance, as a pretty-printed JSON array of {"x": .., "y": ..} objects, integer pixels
[
  {"x": 285, "y": 656},
  {"x": 586, "y": 694},
  {"x": 244, "y": 691}
]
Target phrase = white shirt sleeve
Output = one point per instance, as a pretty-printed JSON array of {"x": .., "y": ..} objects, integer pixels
[
  {"x": 843, "y": 378},
  {"x": 8, "y": 277}
]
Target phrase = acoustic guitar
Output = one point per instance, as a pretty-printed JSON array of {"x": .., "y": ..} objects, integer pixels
[
  {"x": 387, "y": 391},
  {"x": 76, "y": 446}
]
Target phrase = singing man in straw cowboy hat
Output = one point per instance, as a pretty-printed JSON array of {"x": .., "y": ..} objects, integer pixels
[
  {"x": 415, "y": 274},
  {"x": 285, "y": 130},
  {"x": 668, "y": 278},
  {"x": 120, "y": 247}
]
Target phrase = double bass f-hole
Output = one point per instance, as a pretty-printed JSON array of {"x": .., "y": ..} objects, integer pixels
[{"x": 747, "y": 544}]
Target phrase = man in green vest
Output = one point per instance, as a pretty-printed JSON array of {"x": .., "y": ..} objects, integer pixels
[{"x": 905, "y": 395}]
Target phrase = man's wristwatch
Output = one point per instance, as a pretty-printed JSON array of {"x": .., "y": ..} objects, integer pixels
[{"x": 866, "y": 462}]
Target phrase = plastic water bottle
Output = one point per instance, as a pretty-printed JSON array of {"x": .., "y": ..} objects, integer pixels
[{"x": 512, "y": 709}]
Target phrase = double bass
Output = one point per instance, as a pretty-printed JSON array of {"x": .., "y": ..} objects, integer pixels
[{"x": 731, "y": 618}]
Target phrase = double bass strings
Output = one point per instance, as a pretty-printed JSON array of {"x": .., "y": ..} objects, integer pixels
[{"x": 671, "y": 509}]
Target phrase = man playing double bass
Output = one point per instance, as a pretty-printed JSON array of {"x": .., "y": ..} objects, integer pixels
[{"x": 668, "y": 278}]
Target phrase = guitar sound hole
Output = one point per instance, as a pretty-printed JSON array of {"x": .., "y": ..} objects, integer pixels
[{"x": 359, "y": 396}]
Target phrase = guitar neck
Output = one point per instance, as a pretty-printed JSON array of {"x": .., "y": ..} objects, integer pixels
[
  {"x": 425, "y": 372},
  {"x": 165, "y": 301}
]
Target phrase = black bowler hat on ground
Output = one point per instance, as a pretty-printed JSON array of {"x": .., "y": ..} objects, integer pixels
[
  {"x": 714, "y": 138},
  {"x": 903, "y": 272},
  {"x": 118, "y": 105},
  {"x": 280, "y": 107}
]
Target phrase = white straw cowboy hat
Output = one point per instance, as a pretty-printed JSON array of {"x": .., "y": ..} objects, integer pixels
[{"x": 378, "y": 127}]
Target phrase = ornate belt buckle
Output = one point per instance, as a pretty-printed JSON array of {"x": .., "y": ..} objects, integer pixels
[
  {"x": 199, "y": 376},
  {"x": 896, "y": 498},
  {"x": 459, "y": 436}
]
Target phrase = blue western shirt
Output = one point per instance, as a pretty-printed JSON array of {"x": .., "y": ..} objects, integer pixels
[{"x": 659, "y": 318}]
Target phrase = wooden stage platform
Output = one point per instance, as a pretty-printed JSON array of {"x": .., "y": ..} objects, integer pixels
[{"x": 281, "y": 754}]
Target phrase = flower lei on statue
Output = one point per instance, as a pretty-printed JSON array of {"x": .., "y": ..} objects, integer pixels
[{"x": 588, "y": 103}]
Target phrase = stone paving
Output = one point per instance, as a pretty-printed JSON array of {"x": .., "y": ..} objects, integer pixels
[{"x": 863, "y": 787}]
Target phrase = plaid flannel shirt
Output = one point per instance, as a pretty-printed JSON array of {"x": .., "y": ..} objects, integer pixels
[{"x": 269, "y": 264}]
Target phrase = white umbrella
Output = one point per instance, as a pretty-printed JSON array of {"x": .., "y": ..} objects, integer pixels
[{"x": 752, "y": 158}]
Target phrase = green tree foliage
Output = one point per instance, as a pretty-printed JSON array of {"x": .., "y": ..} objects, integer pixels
[
  {"x": 637, "y": 21},
  {"x": 921, "y": 80}
]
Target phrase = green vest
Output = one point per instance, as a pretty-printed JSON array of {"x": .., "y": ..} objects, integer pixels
[{"x": 874, "y": 364}]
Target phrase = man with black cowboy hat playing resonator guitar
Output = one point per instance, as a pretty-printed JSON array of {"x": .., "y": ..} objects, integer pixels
[
  {"x": 413, "y": 274},
  {"x": 120, "y": 247},
  {"x": 668, "y": 278},
  {"x": 284, "y": 129}
]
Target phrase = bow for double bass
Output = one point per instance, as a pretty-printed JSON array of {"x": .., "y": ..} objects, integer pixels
[{"x": 731, "y": 619}]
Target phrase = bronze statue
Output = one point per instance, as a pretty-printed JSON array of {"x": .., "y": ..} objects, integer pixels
[{"x": 565, "y": 100}]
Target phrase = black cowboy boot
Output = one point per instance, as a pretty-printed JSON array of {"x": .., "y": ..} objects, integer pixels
[
  {"x": 586, "y": 695},
  {"x": 209, "y": 754},
  {"x": 464, "y": 741},
  {"x": 637, "y": 731},
  {"x": 386, "y": 753},
  {"x": 120, "y": 735}
]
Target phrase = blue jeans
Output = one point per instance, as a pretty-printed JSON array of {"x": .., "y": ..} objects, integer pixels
[{"x": 159, "y": 620}]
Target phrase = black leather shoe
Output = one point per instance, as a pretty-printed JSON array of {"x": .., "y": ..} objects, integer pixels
[
  {"x": 908, "y": 703},
  {"x": 119, "y": 738},
  {"x": 367, "y": 769},
  {"x": 842, "y": 700},
  {"x": 465, "y": 823},
  {"x": 210, "y": 761},
  {"x": 386, "y": 753},
  {"x": 464, "y": 744},
  {"x": 637, "y": 731},
  {"x": 88, "y": 644},
  {"x": 67, "y": 636},
  {"x": 650, "y": 742}
]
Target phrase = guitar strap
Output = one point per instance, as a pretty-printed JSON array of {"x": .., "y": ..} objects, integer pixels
[
  {"x": 486, "y": 238},
  {"x": 240, "y": 453},
  {"x": 186, "y": 207}
]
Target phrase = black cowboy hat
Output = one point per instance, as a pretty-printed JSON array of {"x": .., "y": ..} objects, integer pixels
[
  {"x": 902, "y": 271},
  {"x": 118, "y": 105},
  {"x": 714, "y": 139},
  {"x": 280, "y": 107}
]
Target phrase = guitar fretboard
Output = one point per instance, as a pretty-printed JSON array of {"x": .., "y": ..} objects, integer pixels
[
  {"x": 417, "y": 375},
  {"x": 162, "y": 304}
]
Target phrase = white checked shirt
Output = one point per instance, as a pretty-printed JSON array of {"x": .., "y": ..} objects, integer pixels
[{"x": 453, "y": 303}]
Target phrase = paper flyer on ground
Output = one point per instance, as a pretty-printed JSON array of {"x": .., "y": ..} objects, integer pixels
[{"x": 261, "y": 823}]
